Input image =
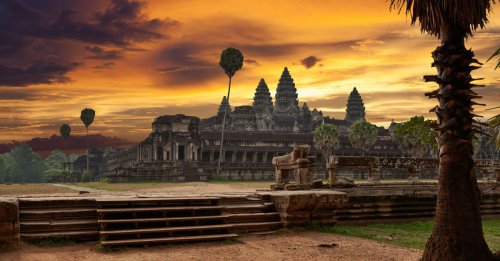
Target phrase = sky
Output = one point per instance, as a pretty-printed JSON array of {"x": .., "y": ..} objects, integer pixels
[{"x": 132, "y": 61}]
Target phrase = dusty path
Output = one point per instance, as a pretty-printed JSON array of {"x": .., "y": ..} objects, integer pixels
[
  {"x": 286, "y": 245},
  {"x": 81, "y": 188}
]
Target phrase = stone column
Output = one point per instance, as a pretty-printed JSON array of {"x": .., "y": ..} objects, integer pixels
[
  {"x": 331, "y": 170},
  {"x": 212, "y": 156},
  {"x": 233, "y": 156},
  {"x": 244, "y": 157},
  {"x": 374, "y": 171},
  {"x": 414, "y": 173},
  {"x": 255, "y": 157}
]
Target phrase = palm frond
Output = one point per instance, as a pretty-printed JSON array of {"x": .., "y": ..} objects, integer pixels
[
  {"x": 465, "y": 15},
  {"x": 497, "y": 53}
]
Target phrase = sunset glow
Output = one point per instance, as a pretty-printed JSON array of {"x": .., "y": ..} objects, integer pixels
[{"x": 128, "y": 80}]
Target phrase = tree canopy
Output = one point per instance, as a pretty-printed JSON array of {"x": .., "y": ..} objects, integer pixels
[
  {"x": 231, "y": 60},
  {"x": 87, "y": 116},
  {"x": 466, "y": 16},
  {"x": 326, "y": 139},
  {"x": 416, "y": 137},
  {"x": 362, "y": 135}
]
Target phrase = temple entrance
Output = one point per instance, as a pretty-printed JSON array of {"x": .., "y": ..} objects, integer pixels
[
  {"x": 180, "y": 152},
  {"x": 159, "y": 153}
]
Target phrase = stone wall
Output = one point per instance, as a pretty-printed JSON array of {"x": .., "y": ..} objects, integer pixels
[
  {"x": 9, "y": 223},
  {"x": 300, "y": 208}
]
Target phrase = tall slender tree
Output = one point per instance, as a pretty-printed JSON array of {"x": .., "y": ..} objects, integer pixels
[
  {"x": 231, "y": 60},
  {"x": 65, "y": 131},
  {"x": 457, "y": 233},
  {"x": 87, "y": 116},
  {"x": 326, "y": 139},
  {"x": 362, "y": 135}
]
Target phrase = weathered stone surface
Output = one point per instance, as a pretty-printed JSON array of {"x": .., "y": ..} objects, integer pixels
[
  {"x": 9, "y": 223},
  {"x": 9, "y": 209},
  {"x": 317, "y": 183},
  {"x": 307, "y": 207}
]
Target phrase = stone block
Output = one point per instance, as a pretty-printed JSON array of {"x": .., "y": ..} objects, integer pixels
[
  {"x": 9, "y": 235},
  {"x": 9, "y": 209}
]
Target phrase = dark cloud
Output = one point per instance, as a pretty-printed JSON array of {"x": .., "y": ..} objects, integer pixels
[
  {"x": 310, "y": 61},
  {"x": 104, "y": 66},
  {"x": 99, "y": 53},
  {"x": 250, "y": 61},
  {"x": 35, "y": 74},
  {"x": 37, "y": 40},
  {"x": 182, "y": 64}
]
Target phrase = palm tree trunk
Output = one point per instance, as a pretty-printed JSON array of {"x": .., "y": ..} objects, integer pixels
[
  {"x": 223, "y": 128},
  {"x": 457, "y": 233},
  {"x": 87, "y": 141}
]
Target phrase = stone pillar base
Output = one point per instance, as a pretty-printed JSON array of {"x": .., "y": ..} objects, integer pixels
[
  {"x": 9, "y": 223},
  {"x": 301, "y": 208}
]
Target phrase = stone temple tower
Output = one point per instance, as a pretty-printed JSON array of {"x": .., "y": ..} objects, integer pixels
[
  {"x": 222, "y": 106},
  {"x": 355, "y": 107},
  {"x": 286, "y": 105},
  {"x": 263, "y": 107}
]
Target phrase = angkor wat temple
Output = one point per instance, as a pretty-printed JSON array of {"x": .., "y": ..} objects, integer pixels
[{"x": 184, "y": 147}]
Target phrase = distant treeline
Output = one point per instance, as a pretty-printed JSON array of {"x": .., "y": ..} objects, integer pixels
[
  {"x": 23, "y": 165},
  {"x": 74, "y": 143}
]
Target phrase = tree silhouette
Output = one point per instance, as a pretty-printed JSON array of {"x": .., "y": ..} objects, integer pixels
[
  {"x": 457, "y": 233},
  {"x": 496, "y": 53},
  {"x": 362, "y": 135},
  {"x": 65, "y": 131},
  {"x": 326, "y": 139},
  {"x": 231, "y": 60},
  {"x": 87, "y": 116}
]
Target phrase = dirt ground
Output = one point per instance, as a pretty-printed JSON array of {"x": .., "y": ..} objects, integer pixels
[{"x": 284, "y": 245}]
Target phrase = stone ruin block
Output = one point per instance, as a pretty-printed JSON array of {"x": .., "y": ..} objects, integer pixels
[
  {"x": 296, "y": 166},
  {"x": 9, "y": 223}
]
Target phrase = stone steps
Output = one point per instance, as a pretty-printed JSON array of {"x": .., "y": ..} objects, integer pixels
[
  {"x": 74, "y": 219},
  {"x": 251, "y": 214},
  {"x": 179, "y": 239},
  {"x": 157, "y": 220}
]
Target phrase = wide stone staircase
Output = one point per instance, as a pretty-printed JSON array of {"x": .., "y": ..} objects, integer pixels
[
  {"x": 161, "y": 220},
  {"x": 250, "y": 214},
  {"x": 74, "y": 219}
]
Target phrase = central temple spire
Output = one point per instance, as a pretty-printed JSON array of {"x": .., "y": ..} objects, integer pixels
[
  {"x": 286, "y": 104},
  {"x": 355, "y": 107},
  {"x": 286, "y": 93}
]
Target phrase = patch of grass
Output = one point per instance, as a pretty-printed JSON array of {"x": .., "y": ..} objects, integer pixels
[
  {"x": 51, "y": 241},
  {"x": 102, "y": 248},
  {"x": 412, "y": 235},
  {"x": 232, "y": 240}
]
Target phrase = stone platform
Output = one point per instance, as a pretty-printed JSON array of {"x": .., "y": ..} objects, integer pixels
[{"x": 299, "y": 208}]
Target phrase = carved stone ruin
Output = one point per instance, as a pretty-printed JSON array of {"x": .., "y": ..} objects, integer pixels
[
  {"x": 297, "y": 164},
  {"x": 414, "y": 166}
]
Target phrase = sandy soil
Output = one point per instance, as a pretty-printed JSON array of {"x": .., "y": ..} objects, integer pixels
[{"x": 285, "y": 245}]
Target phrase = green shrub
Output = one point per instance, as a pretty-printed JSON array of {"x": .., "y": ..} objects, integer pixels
[{"x": 86, "y": 176}]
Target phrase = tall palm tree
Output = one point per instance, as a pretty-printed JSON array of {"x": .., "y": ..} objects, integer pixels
[
  {"x": 362, "y": 135},
  {"x": 87, "y": 116},
  {"x": 457, "y": 232},
  {"x": 231, "y": 60},
  {"x": 65, "y": 131},
  {"x": 326, "y": 139}
]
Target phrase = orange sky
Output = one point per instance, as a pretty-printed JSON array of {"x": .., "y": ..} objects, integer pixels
[{"x": 356, "y": 43}]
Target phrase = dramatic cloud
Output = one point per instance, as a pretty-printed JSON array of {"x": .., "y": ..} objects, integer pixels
[
  {"x": 35, "y": 74},
  {"x": 100, "y": 54},
  {"x": 310, "y": 61},
  {"x": 35, "y": 47}
]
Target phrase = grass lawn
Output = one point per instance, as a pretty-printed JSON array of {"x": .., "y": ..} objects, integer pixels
[
  {"x": 25, "y": 189},
  {"x": 413, "y": 234},
  {"x": 138, "y": 186}
]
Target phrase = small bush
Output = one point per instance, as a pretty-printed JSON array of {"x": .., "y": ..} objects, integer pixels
[{"x": 86, "y": 176}]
